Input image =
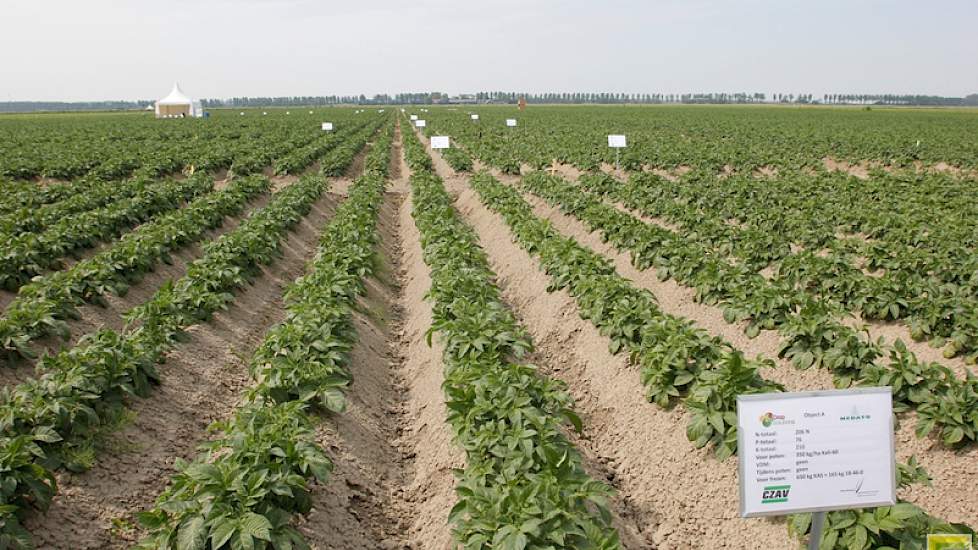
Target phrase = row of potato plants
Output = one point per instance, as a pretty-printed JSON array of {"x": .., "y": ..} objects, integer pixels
[
  {"x": 29, "y": 254},
  {"x": 43, "y": 306},
  {"x": 523, "y": 485},
  {"x": 243, "y": 488},
  {"x": 244, "y": 149},
  {"x": 28, "y": 195},
  {"x": 921, "y": 238},
  {"x": 714, "y": 372},
  {"x": 915, "y": 217},
  {"x": 349, "y": 148},
  {"x": 812, "y": 334},
  {"x": 908, "y": 257},
  {"x": 49, "y": 422},
  {"x": 114, "y": 146},
  {"x": 709, "y": 137},
  {"x": 678, "y": 360},
  {"x": 300, "y": 158},
  {"x": 95, "y": 194}
]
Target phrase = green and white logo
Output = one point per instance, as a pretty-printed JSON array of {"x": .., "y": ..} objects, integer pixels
[{"x": 775, "y": 493}]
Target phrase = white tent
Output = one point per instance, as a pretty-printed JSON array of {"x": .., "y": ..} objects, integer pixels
[{"x": 177, "y": 104}]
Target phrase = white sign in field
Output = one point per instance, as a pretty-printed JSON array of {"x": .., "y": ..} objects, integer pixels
[
  {"x": 475, "y": 117},
  {"x": 616, "y": 141},
  {"x": 420, "y": 123},
  {"x": 511, "y": 122},
  {"x": 414, "y": 117},
  {"x": 439, "y": 142},
  {"x": 815, "y": 451},
  {"x": 327, "y": 126}
]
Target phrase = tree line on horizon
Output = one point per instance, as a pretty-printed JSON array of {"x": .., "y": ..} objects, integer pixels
[{"x": 429, "y": 98}]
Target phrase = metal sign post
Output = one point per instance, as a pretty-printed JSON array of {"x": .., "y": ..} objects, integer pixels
[
  {"x": 815, "y": 535},
  {"x": 617, "y": 142}
]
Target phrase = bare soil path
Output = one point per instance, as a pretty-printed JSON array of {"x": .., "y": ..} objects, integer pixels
[{"x": 392, "y": 485}]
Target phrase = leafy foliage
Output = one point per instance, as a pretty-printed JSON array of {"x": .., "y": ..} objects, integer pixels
[{"x": 523, "y": 485}]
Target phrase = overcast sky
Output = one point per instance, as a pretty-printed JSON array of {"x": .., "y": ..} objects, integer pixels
[{"x": 103, "y": 49}]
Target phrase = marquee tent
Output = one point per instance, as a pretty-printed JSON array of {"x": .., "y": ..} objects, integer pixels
[{"x": 177, "y": 104}]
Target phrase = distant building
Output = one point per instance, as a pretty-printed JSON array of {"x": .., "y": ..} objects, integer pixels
[{"x": 464, "y": 99}]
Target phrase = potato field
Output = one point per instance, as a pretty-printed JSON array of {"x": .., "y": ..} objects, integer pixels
[{"x": 246, "y": 332}]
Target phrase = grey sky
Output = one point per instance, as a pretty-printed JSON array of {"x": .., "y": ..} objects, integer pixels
[{"x": 104, "y": 49}]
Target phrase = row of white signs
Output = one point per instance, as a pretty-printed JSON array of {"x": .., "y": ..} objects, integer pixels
[{"x": 420, "y": 123}]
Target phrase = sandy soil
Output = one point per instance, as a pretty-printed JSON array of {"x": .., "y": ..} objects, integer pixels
[
  {"x": 860, "y": 171},
  {"x": 948, "y": 499},
  {"x": 221, "y": 179},
  {"x": 954, "y": 472},
  {"x": 202, "y": 381},
  {"x": 669, "y": 494},
  {"x": 431, "y": 487},
  {"x": 891, "y": 331},
  {"x": 5, "y": 298},
  {"x": 94, "y": 317},
  {"x": 392, "y": 485}
]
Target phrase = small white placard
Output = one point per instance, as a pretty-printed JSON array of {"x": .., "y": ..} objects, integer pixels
[
  {"x": 815, "y": 451},
  {"x": 475, "y": 117},
  {"x": 264, "y": 113},
  {"x": 420, "y": 123},
  {"x": 327, "y": 126},
  {"x": 439, "y": 142},
  {"x": 617, "y": 141},
  {"x": 511, "y": 122},
  {"x": 414, "y": 117}
]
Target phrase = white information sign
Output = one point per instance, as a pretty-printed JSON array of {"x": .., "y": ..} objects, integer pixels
[
  {"x": 511, "y": 122},
  {"x": 420, "y": 123},
  {"x": 815, "y": 451},
  {"x": 414, "y": 117},
  {"x": 327, "y": 126},
  {"x": 475, "y": 117},
  {"x": 439, "y": 142},
  {"x": 616, "y": 141}
]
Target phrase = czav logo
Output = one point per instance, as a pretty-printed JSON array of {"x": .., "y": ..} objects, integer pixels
[{"x": 775, "y": 493}]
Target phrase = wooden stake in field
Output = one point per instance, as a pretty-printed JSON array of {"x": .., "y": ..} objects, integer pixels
[{"x": 553, "y": 168}]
